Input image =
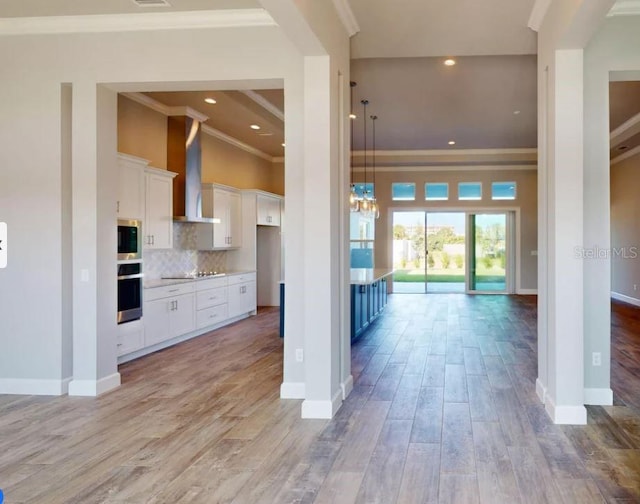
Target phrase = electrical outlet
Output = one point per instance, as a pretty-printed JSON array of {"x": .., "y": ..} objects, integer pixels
[
  {"x": 299, "y": 355},
  {"x": 596, "y": 358}
]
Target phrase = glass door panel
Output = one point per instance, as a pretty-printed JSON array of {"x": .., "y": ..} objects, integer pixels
[
  {"x": 488, "y": 252},
  {"x": 409, "y": 253},
  {"x": 445, "y": 252}
]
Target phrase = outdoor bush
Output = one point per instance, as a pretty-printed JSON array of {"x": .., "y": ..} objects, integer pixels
[
  {"x": 459, "y": 260},
  {"x": 446, "y": 260}
]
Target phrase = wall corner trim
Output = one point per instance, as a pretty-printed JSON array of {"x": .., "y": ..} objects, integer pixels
[
  {"x": 598, "y": 396},
  {"x": 94, "y": 388},
  {"x": 292, "y": 390},
  {"x": 323, "y": 410}
]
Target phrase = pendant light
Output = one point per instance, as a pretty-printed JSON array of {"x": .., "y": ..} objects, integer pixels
[
  {"x": 375, "y": 208},
  {"x": 365, "y": 203},
  {"x": 354, "y": 201}
]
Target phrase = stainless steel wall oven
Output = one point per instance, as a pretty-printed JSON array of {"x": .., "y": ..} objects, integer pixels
[{"x": 129, "y": 291}]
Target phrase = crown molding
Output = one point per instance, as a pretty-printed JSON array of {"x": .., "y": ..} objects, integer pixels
[
  {"x": 451, "y": 152},
  {"x": 625, "y": 131},
  {"x": 625, "y": 8},
  {"x": 448, "y": 168},
  {"x": 626, "y": 155},
  {"x": 538, "y": 13},
  {"x": 225, "y": 18},
  {"x": 235, "y": 142},
  {"x": 149, "y": 102},
  {"x": 346, "y": 15},
  {"x": 264, "y": 103}
]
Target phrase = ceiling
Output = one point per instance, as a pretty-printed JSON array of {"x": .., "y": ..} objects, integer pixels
[{"x": 397, "y": 61}]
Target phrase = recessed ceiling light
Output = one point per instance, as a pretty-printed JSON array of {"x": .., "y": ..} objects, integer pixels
[
  {"x": 516, "y": 112},
  {"x": 255, "y": 127},
  {"x": 210, "y": 101},
  {"x": 449, "y": 62},
  {"x": 284, "y": 144},
  {"x": 452, "y": 142}
]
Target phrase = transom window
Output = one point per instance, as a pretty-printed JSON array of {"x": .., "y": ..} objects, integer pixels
[
  {"x": 503, "y": 191},
  {"x": 436, "y": 191},
  {"x": 403, "y": 191},
  {"x": 470, "y": 191},
  {"x": 361, "y": 188}
]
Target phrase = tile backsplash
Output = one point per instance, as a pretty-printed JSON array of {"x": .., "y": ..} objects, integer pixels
[{"x": 183, "y": 258}]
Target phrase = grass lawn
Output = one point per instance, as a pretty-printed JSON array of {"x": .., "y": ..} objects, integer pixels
[{"x": 448, "y": 275}]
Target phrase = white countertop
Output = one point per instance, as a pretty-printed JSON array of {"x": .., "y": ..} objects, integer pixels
[
  {"x": 366, "y": 276},
  {"x": 150, "y": 283}
]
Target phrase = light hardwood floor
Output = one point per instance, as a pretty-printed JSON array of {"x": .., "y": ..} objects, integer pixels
[{"x": 443, "y": 411}]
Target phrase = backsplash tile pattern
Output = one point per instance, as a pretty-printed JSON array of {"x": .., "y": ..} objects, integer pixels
[{"x": 183, "y": 258}]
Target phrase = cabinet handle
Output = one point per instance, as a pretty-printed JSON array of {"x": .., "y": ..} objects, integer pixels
[
  {"x": 153, "y": 239},
  {"x": 173, "y": 290},
  {"x": 176, "y": 305}
]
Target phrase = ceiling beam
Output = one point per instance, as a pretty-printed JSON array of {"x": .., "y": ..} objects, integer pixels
[
  {"x": 346, "y": 15},
  {"x": 625, "y": 8},
  {"x": 538, "y": 13},
  {"x": 264, "y": 103},
  {"x": 626, "y": 155}
]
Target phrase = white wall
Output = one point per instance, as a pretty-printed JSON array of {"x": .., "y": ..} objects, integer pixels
[
  {"x": 625, "y": 228},
  {"x": 611, "y": 54},
  {"x": 31, "y": 184}
]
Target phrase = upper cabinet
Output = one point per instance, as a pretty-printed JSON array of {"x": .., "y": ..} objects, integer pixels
[
  {"x": 158, "y": 224},
  {"x": 225, "y": 204},
  {"x": 130, "y": 204},
  {"x": 268, "y": 210}
]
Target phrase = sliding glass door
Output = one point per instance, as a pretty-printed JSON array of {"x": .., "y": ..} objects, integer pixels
[{"x": 489, "y": 252}]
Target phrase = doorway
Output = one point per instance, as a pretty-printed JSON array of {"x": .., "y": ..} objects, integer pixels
[{"x": 452, "y": 252}]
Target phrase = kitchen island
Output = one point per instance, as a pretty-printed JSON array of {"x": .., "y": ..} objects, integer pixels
[{"x": 368, "y": 297}]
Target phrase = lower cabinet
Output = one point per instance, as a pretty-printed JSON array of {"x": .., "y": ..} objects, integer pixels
[
  {"x": 168, "y": 312},
  {"x": 242, "y": 294},
  {"x": 176, "y": 310},
  {"x": 367, "y": 302}
]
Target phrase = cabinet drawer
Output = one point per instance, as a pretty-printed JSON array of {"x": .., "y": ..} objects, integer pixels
[
  {"x": 168, "y": 291},
  {"x": 211, "y": 283},
  {"x": 211, "y": 316},
  {"x": 242, "y": 278},
  {"x": 211, "y": 297},
  {"x": 130, "y": 338}
]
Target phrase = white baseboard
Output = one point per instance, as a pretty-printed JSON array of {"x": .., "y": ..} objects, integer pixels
[
  {"x": 94, "y": 388},
  {"x": 565, "y": 415},
  {"x": 527, "y": 292},
  {"x": 541, "y": 390},
  {"x": 598, "y": 396},
  {"x": 322, "y": 409},
  {"x": 27, "y": 386},
  {"x": 625, "y": 299},
  {"x": 292, "y": 390},
  {"x": 347, "y": 387}
]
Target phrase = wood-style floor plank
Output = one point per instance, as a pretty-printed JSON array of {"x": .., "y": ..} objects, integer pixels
[{"x": 443, "y": 410}]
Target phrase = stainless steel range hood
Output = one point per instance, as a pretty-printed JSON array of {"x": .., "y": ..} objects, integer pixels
[{"x": 184, "y": 157}]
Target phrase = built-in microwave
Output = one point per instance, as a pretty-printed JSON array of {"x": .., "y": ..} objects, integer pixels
[{"x": 129, "y": 240}]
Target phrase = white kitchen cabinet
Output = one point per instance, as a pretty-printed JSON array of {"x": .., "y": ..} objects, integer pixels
[
  {"x": 268, "y": 210},
  {"x": 130, "y": 204},
  {"x": 168, "y": 312},
  {"x": 224, "y": 204},
  {"x": 242, "y": 294},
  {"x": 211, "y": 302},
  {"x": 158, "y": 224},
  {"x": 130, "y": 337}
]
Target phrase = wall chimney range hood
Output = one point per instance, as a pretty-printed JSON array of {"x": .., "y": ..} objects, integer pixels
[{"x": 184, "y": 157}]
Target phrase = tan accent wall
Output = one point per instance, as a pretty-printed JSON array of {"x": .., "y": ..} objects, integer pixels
[
  {"x": 625, "y": 227},
  {"x": 142, "y": 132},
  {"x": 526, "y": 201},
  {"x": 225, "y": 164}
]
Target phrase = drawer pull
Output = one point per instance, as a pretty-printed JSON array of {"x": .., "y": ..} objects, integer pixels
[{"x": 173, "y": 290}]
